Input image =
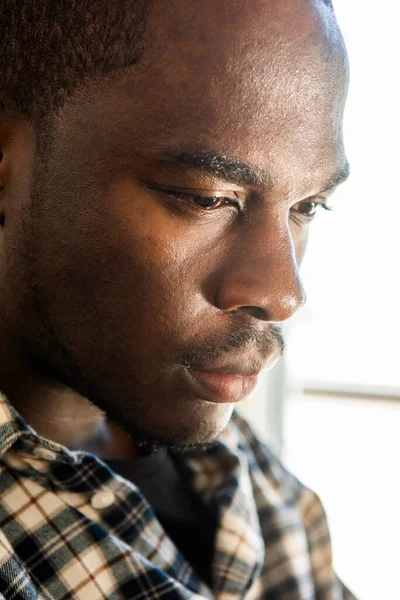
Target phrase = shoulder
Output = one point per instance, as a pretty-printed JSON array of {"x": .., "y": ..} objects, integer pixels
[
  {"x": 292, "y": 519},
  {"x": 260, "y": 456},
  {"x": 271, "y": 479}
]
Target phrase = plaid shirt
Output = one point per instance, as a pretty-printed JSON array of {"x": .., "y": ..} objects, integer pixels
[{"x": 71, "y": 528}]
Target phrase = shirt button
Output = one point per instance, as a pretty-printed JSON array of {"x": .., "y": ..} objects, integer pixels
[
  {"x": 102, "y": 499},
  {"x": 45, "y": 453}
]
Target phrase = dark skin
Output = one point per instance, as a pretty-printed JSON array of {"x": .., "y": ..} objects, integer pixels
[{"x": 166, "y": 233}]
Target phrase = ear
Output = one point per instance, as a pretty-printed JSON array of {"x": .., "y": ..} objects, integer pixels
[
  {"x": 16, "y": 147},
  {"x": 2, "y": 217},
  {"x": 5, "y": 136}
]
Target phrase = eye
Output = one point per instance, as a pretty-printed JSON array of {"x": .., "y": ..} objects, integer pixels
[
  {"x": 202, "y": 201},
  {"x": 206, "y": 202},
  {"x": 306, "y": 210}
]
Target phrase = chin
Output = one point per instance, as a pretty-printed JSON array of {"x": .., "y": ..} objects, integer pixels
[
  {"x": 180, "y": 431},
  {"x": 159, "y": 416}
]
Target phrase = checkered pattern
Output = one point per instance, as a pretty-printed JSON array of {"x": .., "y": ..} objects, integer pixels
[{"x": 272, "y": 540}]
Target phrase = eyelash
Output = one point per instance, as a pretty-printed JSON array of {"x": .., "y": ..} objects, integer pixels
[
  {"x": 296, "y": 216},
  {"x": 193, "y": 198}
]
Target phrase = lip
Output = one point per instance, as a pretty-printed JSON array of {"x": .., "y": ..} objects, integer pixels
[{"x": 221, "y": 387}]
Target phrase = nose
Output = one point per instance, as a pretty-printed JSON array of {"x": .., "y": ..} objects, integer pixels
[{"x": 260, "y": 275}]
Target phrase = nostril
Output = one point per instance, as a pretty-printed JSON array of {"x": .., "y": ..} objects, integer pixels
[{"x": 255, "y": 311}]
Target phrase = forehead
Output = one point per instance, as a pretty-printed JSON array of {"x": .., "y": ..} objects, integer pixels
[{"x": 262, "y": 82}]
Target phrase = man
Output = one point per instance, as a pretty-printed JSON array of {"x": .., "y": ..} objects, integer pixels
[{"x": 161, "y": 163}]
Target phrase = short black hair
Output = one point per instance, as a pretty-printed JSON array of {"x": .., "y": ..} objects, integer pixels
[{"x": 49, "y": 47}]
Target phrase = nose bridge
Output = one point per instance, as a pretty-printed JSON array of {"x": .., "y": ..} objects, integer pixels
[{"x": 261, "y": 275}]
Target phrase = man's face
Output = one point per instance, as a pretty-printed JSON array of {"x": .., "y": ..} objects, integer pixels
[{"x": 162, "y": 239}]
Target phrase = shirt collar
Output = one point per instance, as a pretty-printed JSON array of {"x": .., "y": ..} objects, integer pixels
[
  {"x": 12, "y": 426},
  {"x": 13, "y": 429}
]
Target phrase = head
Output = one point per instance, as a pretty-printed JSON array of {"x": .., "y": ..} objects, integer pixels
[{"x": 161, "y": 168}]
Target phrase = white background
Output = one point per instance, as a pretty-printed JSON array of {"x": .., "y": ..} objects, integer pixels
[
  {"x": 349, "y": 334},
  {"x": 347, "y": 338}
]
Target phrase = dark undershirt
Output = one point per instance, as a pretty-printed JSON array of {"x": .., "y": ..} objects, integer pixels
[{"x": 185, "y": 519}]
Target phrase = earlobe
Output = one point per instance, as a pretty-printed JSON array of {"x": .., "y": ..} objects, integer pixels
[
  {"x": 17, "y": 142},
  {"x": 4, "y": 138},
  {"x": 2, "y": 215}
]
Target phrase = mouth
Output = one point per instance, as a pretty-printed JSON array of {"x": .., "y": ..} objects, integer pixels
[
  {"x": 225, "y": 384},
  {"x": 230, "y": 377}
]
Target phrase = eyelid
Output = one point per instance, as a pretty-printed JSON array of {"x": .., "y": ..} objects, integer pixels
[
  {"x": 327, "y": 194},
  {"x": 232, "y": 194},
  {"x": 318, "y": 199},
  {"x": 313, "y": 199}
]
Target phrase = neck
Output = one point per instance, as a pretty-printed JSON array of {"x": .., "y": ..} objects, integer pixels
[{"x": 62, "y": 415}]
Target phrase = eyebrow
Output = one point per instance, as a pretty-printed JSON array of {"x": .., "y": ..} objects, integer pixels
[
  {"x": 239, "y": 173},
  {"x": 220, "y": 166}
]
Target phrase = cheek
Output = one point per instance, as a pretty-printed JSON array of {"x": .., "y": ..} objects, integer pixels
[{"x": 122, "y": 272}]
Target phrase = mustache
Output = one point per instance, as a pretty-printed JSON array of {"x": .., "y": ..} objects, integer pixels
[{"x": 240, "y": 338}]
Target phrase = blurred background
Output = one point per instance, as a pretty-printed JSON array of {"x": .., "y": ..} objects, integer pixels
[{"x": 331, "y": 408}]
